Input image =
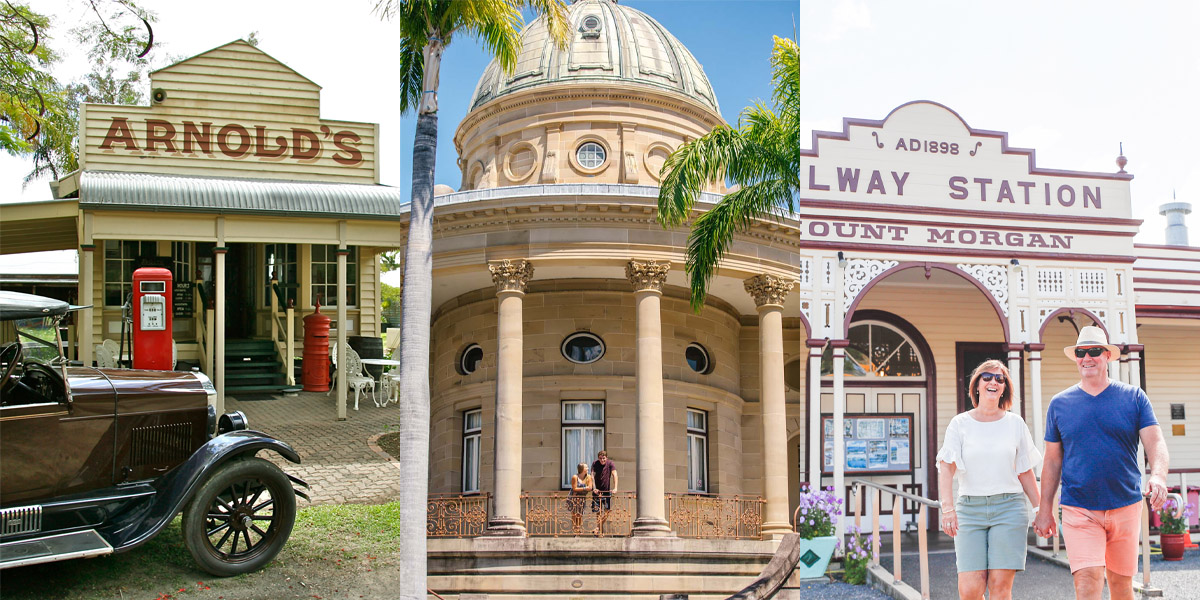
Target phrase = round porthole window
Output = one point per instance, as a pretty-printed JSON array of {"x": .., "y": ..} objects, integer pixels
[
  {"x": 697, "y": 358},
  {"x": 469, "y": 360},
  {"x": 590, "y": 155},
  {"x": 583, "y": 348}
]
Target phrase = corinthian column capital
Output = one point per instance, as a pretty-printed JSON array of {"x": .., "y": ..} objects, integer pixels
[
  {"x": 511, "y": 275},
  {"x": 647, "y": 276},
  {"x": 768, "y": 289}
]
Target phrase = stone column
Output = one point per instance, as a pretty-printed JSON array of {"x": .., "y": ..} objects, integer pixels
[
  {"x": 815, "y": 451},
  {"x": 511, "y": 278},
  {"x": 839, "y": 432},
  {"x": 647, "y": 279},
  {"x": 1037, "y": 415},
  {"x": 1014, "y": 369},
  {"x": 768, "y": 292}
]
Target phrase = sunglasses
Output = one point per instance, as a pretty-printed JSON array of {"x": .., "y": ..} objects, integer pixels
[
  {"x": 1092, "y": 352},
  {"x": 990, "y": 376}
]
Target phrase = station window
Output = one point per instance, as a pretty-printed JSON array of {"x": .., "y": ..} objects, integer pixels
[
  {"x": 119, "y": 259},
  {"x": 469, "y": 360},
  {"x": 582, "y": 435},
  {"x": 472, "y": 431},
  {"x": 325, "y": 275},
  {"x": 697, "y": 446},
  {"x": 697, "y": 358},
  {"x": 281, "y": 260},
  {"x": 876, "y": 350}
]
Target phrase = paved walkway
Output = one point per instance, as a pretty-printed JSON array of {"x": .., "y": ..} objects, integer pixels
[
  {"x": 335, "y": 458},
  {"x": 342, "y": 468}
]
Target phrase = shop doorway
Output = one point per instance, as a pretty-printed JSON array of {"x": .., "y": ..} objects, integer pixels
[{"x": 240, "y": 289}]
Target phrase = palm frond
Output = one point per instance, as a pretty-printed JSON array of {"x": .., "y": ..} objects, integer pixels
[
  {"x": 692, "y": 167},
  {"x": 412, "y": 74},
  {"x": 785, "y": 76},
  {"x": 712, "y": 233},
  {"x": 556, "y": 15}
]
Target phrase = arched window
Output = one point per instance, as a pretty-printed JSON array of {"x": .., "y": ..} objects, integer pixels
[{"x": 876, "y": 350}]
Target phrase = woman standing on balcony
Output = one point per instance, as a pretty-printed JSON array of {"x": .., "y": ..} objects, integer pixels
[
  {"x": 992, "y": 453},
  {"x": 581, "y": 485}
]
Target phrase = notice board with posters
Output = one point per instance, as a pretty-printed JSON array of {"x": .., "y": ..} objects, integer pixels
[{"x": 876, "y": 443}]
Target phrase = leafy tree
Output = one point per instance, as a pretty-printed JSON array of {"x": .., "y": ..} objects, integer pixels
[
  {"x": 39, "y": 116},
  {"x": 426, "y": 28},
  {"x": 761, "y": 156}
]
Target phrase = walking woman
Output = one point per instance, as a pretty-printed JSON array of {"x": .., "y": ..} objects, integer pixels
[
  {"x": 581, "y": 485},
  {"x": 991, "y": 452}
]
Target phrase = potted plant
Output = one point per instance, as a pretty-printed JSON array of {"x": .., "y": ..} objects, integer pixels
[
  {"x": 814, "y": 520},
  {"x": 1174, "y": 529}
]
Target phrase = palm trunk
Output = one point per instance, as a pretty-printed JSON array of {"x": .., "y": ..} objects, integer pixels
[{"x": 417, "y": 307}]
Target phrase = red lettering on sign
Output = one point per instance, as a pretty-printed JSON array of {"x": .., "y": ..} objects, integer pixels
[
  {"x": 243, "y": 145},
  {"x": 353, "y": 154},
  {"x": 159, "y": 132},
  {"x": 299, "y": 138},
  {"x": 260, "y": 144},
  {"x": 201, "y": 137},
  {"x": 119, "y": 132}
]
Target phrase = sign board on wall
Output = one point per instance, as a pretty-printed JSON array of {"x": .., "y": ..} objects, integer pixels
[{"x": 876, "y": 443}]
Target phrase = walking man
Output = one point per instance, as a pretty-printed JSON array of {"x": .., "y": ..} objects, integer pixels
[
  {"x": 1092, "y": 434},
  {"x": 604, "y": 474}
]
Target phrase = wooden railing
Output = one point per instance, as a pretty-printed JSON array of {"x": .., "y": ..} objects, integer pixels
[
  {"x": 715, "y": 517},
  {"x": 283, "y": 322},
  {"x": 205, "y": 328},
  {"x": 456, "y": 516},
  {"x": 860, "y": 487},
  {"x": 553, "y": 514}
]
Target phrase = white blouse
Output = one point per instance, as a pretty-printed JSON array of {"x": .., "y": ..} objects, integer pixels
[{"x": 989, "y": 456}]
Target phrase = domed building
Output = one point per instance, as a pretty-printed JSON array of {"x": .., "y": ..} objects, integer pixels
[{"x": 832, "y": 348}]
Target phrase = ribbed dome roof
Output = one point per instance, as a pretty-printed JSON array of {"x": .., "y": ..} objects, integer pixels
[{"x": 609, "y": 43}]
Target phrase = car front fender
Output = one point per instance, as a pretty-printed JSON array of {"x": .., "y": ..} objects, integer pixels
[{"x": 176, "y": 487}]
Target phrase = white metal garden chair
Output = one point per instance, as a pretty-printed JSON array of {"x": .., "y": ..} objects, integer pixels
[{"x": 357, "y": 378}]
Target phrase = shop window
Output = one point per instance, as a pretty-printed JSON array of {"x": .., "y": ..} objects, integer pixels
[
  {"x": 472, "y": 432},
  {"x": 876, "y": 350},
  {"x": 280, "y": 259},
  {"x": 583, "y": 348},
  {"x": 181, "y": 257},
  {"x": 120, "y": 258},
  {"x": 325, "y": 275},
  {"x": 697, "y": 447},
  {"x": 697, "y": 358},
  {"x": 582, "y": 435},
  {"x": 469, "y": 360}
]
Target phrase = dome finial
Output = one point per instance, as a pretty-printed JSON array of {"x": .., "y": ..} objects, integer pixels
[{"x": 1121, "y": 160}]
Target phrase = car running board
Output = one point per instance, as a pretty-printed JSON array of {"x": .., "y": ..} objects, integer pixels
[{"x": 64, "y": 546}]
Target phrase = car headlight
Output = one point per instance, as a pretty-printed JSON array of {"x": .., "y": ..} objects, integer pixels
[{"x": 232, "y": 421}]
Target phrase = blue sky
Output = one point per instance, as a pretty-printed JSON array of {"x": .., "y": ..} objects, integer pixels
[{"x": 731, "y": 39}]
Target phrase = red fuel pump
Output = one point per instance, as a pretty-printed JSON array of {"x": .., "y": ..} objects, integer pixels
[
  {"x": 152, "y": 318},
  {"x": 315, "y": 371}
]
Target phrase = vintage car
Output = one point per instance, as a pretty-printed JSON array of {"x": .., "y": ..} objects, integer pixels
[{"x": 96, "y": 461}]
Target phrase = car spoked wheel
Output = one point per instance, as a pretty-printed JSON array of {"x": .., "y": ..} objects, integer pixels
[{"x": 240, "y": 517}]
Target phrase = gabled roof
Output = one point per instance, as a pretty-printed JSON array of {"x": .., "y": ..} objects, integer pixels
[{"x": 239, "y": 45}]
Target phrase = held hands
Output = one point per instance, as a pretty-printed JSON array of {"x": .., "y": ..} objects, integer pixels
[
  {"x": 1156, "y": 491},
  {"x": 950, "y": 522},
  {"x": 1044, "y": 524}
]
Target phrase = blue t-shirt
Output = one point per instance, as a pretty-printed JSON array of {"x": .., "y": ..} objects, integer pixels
[{"x": 1100, "y": 435}]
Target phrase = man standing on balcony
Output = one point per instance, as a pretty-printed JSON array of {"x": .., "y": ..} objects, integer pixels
[
  {"x": 1092, "y": 434},
  {"x": 604, "y": 474}
]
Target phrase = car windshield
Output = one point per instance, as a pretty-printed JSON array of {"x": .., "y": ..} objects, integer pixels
[{"x": 39, "y": 339}]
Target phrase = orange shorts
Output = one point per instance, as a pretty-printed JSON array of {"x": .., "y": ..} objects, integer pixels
[{"x": 1102, "y": 538}]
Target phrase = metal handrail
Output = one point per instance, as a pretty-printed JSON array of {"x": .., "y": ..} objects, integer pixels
[{"x": 922, "y": 537}]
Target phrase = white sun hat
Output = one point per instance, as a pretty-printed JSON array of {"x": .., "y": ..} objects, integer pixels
[{"x": 1092, "y": 336}]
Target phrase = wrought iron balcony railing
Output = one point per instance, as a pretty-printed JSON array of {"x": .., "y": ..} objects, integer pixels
[{"x": 716, "y": 517}]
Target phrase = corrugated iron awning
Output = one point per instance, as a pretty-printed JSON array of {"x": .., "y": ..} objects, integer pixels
[{"x": 143, "y": 191}]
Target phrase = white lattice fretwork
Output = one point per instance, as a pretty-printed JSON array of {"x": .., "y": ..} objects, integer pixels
[
  {"x": 859, "y": 272},
  {"x": 1091, "y": 283},
  {"x": 804, "y": 274},
  {"x": 994, "y": 279},
  {"x": 1051, "y": 282}
]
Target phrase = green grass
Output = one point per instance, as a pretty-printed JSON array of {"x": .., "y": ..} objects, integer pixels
[{"x": 333, "y": 536}]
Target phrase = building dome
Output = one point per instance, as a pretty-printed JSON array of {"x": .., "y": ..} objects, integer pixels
[{"x": 609, "y": 43}]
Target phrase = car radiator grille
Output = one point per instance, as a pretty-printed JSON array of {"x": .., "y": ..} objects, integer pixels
[
  {"x": 159, "y": 444},
  {"x": 21, "y": 519}
]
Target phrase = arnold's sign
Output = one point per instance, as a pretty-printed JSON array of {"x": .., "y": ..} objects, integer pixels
[{"x": 232, "y": 140}]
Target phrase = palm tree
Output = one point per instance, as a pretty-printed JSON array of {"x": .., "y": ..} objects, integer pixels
[
  {"x": 761, "y": 156},
  {"x": 426, "y": 28}
]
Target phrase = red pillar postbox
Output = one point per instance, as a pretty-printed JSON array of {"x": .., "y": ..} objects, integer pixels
[
  {"x": 152, "y": 318},
  {"x": 315, "y": 370}
]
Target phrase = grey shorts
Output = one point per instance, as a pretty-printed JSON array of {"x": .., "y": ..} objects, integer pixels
[{"x": 992, "y": 532}]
